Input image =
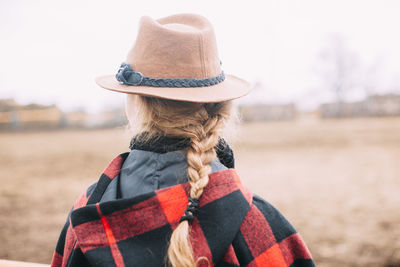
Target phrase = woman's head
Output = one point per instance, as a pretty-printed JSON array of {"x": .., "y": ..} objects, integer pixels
[{"x": 203, "y": 123}]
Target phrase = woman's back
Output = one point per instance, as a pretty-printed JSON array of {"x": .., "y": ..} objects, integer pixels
[{"x": 232, "y": 227}]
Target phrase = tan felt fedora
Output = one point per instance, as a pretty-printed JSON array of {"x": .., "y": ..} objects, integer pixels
[{"x": 175, "y": 57}]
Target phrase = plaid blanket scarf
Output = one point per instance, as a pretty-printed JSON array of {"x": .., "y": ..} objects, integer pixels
[{"x": 232, "y": 227}]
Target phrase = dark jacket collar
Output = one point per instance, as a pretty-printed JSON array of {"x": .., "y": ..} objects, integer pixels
[{"x": 164, "y": 144}]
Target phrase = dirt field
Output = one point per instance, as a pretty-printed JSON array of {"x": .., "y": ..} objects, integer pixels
[{"x": 338, "y": 182}]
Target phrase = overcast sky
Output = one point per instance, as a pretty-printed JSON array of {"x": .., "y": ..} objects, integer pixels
[{"x": 50, "y": 51}]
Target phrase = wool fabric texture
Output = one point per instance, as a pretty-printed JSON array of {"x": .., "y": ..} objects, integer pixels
[{"x": 232, "y": 227}]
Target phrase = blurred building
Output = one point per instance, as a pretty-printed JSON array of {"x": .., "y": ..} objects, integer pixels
[
  {"x": 34, "y": 116},
  {"x": 373, "y": 106},
  {"x": 105, "y": 119},
  {"x": 268, "y": 112},
  {"x": 15, "y": 116}
]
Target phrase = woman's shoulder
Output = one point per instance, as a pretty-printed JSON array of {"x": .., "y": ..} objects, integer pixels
[
  {"x": 96, "y": 190},
  {"x": 267, "y": 238},
  {"x": 278, "y": 223}
]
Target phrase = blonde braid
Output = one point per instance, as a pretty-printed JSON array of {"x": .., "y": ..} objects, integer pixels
[
  {"x": 202, "y": 123},
  {"x": 199, "y": 155}
]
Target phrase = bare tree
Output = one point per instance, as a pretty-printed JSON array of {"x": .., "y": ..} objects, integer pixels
[{"x": 338, "y": 67}]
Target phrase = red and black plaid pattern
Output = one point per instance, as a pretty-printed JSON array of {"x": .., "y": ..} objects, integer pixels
[{"x": 231, "y": 228}]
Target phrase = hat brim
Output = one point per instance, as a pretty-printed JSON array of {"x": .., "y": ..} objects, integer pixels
[{"x": 231, "y": 88}]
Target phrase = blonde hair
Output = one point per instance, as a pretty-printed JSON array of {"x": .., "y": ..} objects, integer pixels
[{"x": 203, "y": 124}]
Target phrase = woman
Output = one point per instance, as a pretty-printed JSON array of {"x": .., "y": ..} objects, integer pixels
[{"x": 176, "y": 199}]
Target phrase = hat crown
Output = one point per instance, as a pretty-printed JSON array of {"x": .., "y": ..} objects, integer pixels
[{"x": 178, "y": 46}]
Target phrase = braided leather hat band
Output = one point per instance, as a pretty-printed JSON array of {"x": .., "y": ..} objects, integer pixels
[{"x": 126, "y": 75}]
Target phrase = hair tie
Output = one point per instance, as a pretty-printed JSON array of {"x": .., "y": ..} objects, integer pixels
[{"x": 190, "y": 210}]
